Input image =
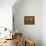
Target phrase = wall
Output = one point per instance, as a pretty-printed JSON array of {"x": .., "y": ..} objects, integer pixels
[
  {"x": 28, "y": 8},
  {"x": 43, "y": 22},
  {"x": 6, "y": 13}
]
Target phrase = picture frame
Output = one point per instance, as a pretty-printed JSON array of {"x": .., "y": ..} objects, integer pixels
[{"x": 29, "y": 20}]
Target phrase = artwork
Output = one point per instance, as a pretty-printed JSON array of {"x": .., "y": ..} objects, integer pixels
[{"x": 29, "y": 20}]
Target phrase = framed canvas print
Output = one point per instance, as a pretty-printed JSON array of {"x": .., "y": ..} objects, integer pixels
[{"x": 29, "y": 20}]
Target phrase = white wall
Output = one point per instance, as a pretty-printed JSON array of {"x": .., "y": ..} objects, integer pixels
[
  {"x": 37, "y": 31},
  {"x": 6, "y": 13},
  {"x": 29, "y": 8},
  {"x": 43, "y": 22}
]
